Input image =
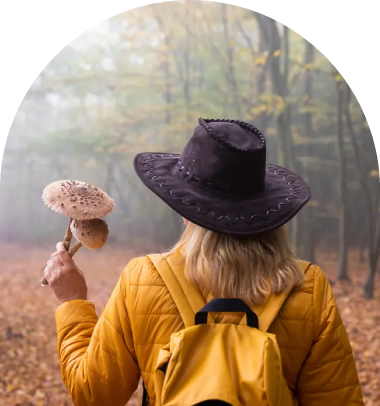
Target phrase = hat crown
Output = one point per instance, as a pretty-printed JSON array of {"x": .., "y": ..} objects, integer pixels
[{"x": 225, "y": 155}]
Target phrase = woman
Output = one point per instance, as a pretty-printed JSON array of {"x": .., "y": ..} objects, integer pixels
[{"x": 235, "y": 207}]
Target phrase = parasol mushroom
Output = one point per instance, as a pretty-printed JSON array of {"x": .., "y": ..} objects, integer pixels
[
  {"x": 92, "y": 234},
  {"x": 76, "y": 200}
]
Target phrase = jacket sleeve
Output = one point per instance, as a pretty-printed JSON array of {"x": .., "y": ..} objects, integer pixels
[
  {"x": 98, "y": 362},
  {"x": 329, "y": 375}
]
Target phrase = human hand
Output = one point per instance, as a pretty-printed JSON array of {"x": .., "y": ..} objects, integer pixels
[{"x": 64, "y": 277}]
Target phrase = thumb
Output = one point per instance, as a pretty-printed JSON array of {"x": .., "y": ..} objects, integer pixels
[{"x": 60, "y": 246}]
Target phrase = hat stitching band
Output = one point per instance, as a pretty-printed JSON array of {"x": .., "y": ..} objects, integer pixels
[{"x": 149, "y": 163}]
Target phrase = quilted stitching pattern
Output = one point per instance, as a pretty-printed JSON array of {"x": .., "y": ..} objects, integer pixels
[
  {"x": 102, "y": 360},
  {"x": 305, "y": 327}
]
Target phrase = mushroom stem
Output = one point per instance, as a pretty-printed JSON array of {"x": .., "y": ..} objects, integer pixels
[
  {"x": 68, "y": 236},
  {"x": 75, "y": 248},
  {"x": 44, "y": 281},
  {"x": 72, "y": 252}
]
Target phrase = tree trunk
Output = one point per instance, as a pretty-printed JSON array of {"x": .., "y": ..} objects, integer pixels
[
  {"x": 362, "y": 253},
  {"x": 108, "y": 181},
  {"x": 292, "y": 161},
  {"x": 373, "y": 261},
  {"x": 342, "y": 273},
  {"x": 306, "y": 215},
  {"x": 124, "y": 206},
  {"x": 259, "y": 72},
  {"x": 167, "y": 73},
  {"x": 280, "y": 87},
  {"x": 230, "y": 64},
  {"x": 373, "y": 227},
  {"x": 187, "y": 58},
  {"x": 279, "y": 83},
  {"x": 168, "y": 91}
]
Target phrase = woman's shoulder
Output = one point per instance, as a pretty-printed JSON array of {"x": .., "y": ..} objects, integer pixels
[
  {"x": 313, "y": 275},
  {"x": 315, "y": 279},
  {"x": 307, "y": 299},
  {"x": 141, "y": 271}
]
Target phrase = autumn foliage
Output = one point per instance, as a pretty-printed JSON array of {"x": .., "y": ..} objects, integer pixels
[{"x": 29, "y": 367}]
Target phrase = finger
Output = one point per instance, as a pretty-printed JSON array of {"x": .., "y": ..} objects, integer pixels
[
  {"x": 53, "y": 272},
  {"x": 60, "y": 246},
  {"x": 50, "y": 266},
  {"x": 63, "y": 255},
  {"x": 47, "y": 273},
  {"x": 56, "y": 256},
  {"x": 56, "y": 262}
]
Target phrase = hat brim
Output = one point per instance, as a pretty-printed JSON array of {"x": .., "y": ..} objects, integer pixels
[{"x": 283, "y": 196}]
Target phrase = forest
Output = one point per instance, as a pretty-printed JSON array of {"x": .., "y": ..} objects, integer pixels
[{"x": 138, "y": 82}]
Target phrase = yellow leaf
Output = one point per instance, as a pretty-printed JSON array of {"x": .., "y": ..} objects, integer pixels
[
  {"x": 276, "y": 53},
  {"x": 266, "y": 97},
  {"x": 308, "y": 66},
  {"x": 120, "y": 148},
  {"x": 260, "y": 61},
  {"x": 242, "y": 52},
  {"x": 270, "y": 131},
  {"x": 338, "y": 77},
  {"x": 374, "y": 173}
]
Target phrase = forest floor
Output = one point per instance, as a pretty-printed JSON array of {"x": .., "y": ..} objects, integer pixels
[{"x": 29, "y": 368}]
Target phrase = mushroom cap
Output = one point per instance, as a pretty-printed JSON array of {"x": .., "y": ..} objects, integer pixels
[
  {"x": 78, "y": 200},
  {"x": 92, "y": 234}
]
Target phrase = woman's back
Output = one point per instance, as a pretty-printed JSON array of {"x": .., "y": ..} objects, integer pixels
[{"x": 315, "y": 350}]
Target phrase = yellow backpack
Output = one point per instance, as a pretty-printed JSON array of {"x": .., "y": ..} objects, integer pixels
[{"x": 218, "y": 364}]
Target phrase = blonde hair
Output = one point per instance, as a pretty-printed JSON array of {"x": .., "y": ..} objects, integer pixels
[{"x": 246, "y": 268}]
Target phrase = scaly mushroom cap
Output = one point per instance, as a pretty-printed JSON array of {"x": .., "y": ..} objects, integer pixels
[
  {"x": 78, "y": 200},
  {"x": 92, "y": 234}
]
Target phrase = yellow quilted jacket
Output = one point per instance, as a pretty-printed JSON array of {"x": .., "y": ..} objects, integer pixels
[{"x": 103, "y": 360}]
